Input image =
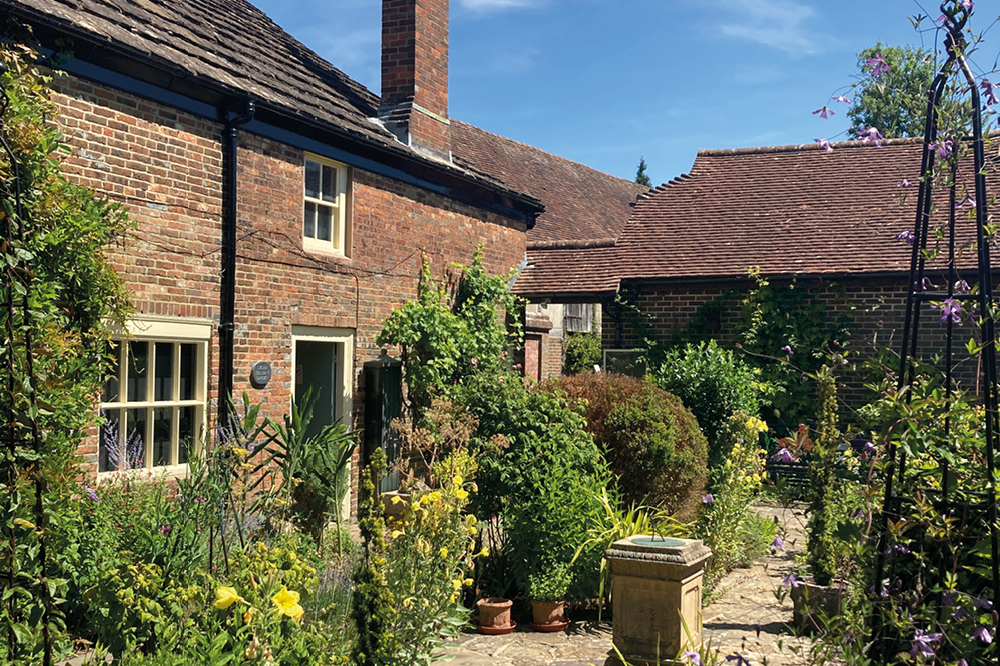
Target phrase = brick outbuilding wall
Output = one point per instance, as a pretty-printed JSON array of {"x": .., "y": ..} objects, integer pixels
[
  {"x": 166, "y": 166},
  {"x": 876, "y": 308}
]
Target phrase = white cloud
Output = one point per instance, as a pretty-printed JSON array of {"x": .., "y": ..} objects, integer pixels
[
  {"x": 488, "y": 5},
  {"x": 780, "y": 24}
]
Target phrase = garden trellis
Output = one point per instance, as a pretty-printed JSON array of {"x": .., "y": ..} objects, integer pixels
[
  {"x": 25, "y": 561},
  {"x": 971, "y": 510}
]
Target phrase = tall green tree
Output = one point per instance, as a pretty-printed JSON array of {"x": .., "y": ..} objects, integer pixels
[
  {"x": 640, "y": 175},
  {"x": 891, "y": 94}
]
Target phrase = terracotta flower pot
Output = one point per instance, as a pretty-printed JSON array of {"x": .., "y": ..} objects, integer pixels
[
  {"x": 548, "y": 612},
  {"x": 494, "y": 612}
]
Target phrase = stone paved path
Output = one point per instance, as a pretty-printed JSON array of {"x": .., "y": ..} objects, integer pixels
[{"x": 746, "y": 618}]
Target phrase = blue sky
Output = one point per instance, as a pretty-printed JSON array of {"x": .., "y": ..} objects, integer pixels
[{"x": 604, "y": 82}]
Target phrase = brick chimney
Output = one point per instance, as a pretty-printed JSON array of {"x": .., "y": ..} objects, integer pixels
[{"x": 415, "y": 74}]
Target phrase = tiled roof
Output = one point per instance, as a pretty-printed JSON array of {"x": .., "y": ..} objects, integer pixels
[
  {"x": 233, "y": 47},
  {"x": 581, "y": 204},
  {"x": 230, "y": 43},
  {"x": 791, "y": 210}
]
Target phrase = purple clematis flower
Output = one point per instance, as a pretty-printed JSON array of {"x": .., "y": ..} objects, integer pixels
[
  {"x": 905, "y": 236},
  {"x": 868, "y": 450},
  {"x": 904, "y": 183},
  {"x": 778, "y": 544},
  {"x": 871, "y": 135},
  {"x": 92, "y": 494},
  {"x": 942, "y": 147},
  {"x": 960, "y": 614},
  {"x": 693, "y": 656},
  {"x": 950, "y": 310},
  {"x": 859, "y": 514},
  {"x": 966, "y": 4},
  {"x": 790, "y": 581},
  {"x": 783, "y": 455},
  {"x": 962, "y": 287},
  {"x": 824, "y": 112},
  {"x": 982, "y": 635},
  {"x": 841, "y": 98},
  {"x": 787, "y": 349},
  {"x": 897, "y": 548},
  {"x": 878, "y": 64},
  {"x": 708, "y": 498},
  {"x": 923, "y": 644},
  {"x": 825, "y": 144},
  {"x": 961, "y": 662},
  {"x": 948, "y": 599},
  {"x": 967, "y": 200},
  {"x": 982, "y": 602}
]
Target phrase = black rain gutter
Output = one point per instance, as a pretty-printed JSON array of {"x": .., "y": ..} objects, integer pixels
[{"x": 227, "y": 295}]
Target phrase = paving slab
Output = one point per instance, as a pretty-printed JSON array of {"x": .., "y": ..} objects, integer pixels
[{"x": 747, "y": 617}]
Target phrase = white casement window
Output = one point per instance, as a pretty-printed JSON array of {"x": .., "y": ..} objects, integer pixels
[
  {"x": 325, "y": 214},
  {"x": 154, "y": 398}
]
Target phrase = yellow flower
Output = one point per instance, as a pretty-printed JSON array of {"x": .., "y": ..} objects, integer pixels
[
  {"x": 472, "y": 530},
  {"x": 756, "y": 425},
  {"x": 248, "y": 616},
  {"x": 241, "y": 452},
  {"x": 461, "y": 493},
  {"x": 457, "y": 480},
  {"x": 484, "y": 552},
  {"x": 25, "y": 523},
  {"x": 457, "y": 584},
  {"x": 472, "y": 520},
  {"x": 225, "y": 597},
  {"x": 444, "y": 552},
  {"x": 396, "y": 534},
  {"x": 287, "y": 603},
  {"x": 467, "y": 582}
]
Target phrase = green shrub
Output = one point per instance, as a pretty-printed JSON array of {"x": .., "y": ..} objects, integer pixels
[
  {"x": 714, "y": 384},
  {"x": 581, "y": 352},
  {"x": 651, "y": 441}
]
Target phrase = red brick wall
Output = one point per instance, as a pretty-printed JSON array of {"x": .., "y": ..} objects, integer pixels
[
  {"x": 877, "y": 308},
  {"x": 166, "y": 166}
]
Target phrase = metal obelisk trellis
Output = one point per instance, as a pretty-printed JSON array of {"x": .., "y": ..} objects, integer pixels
[
  {"x": 919, "y": 296},
  {"x": 21, "y": 462}
]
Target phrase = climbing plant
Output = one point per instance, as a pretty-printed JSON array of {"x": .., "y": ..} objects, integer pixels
[{"x": 60, "y": 299}]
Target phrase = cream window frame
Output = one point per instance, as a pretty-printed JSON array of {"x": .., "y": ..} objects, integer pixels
[
  {"x": 340, "y": 218},
  {"x": 176, "y": 332}
]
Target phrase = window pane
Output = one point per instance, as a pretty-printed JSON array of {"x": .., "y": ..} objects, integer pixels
[
  {"x": 162, "y": 421},
  {"x": 312, "y": 179},
  {"x": 163, "y": 370},
  {"x": 309, "y": 220},
  {"x": 112, "y": 383},
  {"x": 323, "y": 222},
  {"x": 329, "y": 183},
  {"x": 110, "y": 441},
  {"x": 189, "y": 356},
  {"x": 138, "y": 364},
  {"x": 135, "y": 443},
  {"x": 185, "y": 434}
]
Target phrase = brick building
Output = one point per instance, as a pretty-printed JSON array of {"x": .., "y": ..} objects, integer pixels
[
  {"x": 583, "y": 208},
  {"x": 827, "y": 220},
  {"x": 282, "y": 208}
]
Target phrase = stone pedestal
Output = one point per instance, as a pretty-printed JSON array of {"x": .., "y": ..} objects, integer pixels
[{"x": 655, "y": 582}]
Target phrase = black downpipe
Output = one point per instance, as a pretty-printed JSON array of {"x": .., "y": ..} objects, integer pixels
[{"x": 227, "y": 295}]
